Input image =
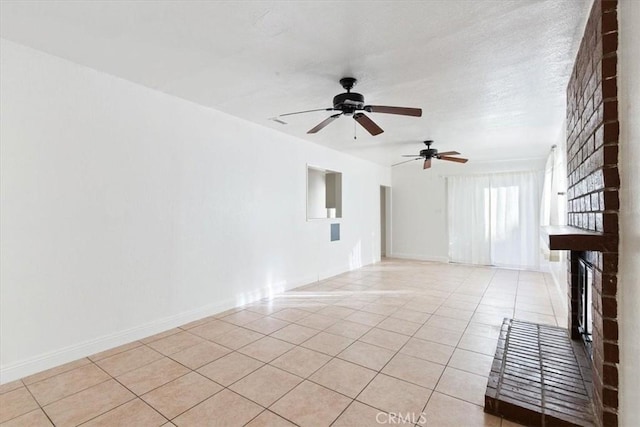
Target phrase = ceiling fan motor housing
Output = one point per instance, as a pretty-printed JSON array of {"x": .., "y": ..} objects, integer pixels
[
  {"x": 428, "y": 153},
  {"x": 348, "y": 102}
]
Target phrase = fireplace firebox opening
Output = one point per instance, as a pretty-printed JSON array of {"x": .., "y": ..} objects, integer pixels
[{"x": 585, "y": 306}]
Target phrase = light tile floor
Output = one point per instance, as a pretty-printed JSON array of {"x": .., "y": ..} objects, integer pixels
[{"x": 407, "y": 338}]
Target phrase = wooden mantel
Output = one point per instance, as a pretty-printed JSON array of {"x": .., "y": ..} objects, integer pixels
[{"x": 576, "y": 239}]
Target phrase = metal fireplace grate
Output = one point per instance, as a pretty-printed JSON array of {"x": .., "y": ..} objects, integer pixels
[
  {"x": 538, "y": 377},
  {"x": 585, "y": 321}
]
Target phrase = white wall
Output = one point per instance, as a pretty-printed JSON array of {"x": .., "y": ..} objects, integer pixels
[
  {"x": 419, "y": 204},
  {"x": 126, "y": 211},
  {"x": 316, "y": 192},
  {"x": 628, "y": 161},
  {"x": 419, "y": 213}
]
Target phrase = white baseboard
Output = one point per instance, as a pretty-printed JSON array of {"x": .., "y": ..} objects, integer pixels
[
  {"x": 301, "y": 281},
  {"x": 332, "y": 272},
  {"x": 418, "y": 257},
  {"x": 87, "y": 348},
  {"x": 327, "y": 274},
  {"x": 73, "y": 352}
]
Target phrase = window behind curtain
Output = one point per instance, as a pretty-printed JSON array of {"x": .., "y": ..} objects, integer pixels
[{"x": 495, "y": 219}]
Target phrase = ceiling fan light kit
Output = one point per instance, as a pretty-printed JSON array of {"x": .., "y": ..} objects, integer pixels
[{"x": 352, "y": 104}]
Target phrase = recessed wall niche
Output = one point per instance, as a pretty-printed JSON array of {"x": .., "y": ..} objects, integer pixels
[{"x": 324, "y": 193}]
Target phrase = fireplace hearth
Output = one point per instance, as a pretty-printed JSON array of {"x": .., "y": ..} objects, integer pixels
[{"x": 539, "y": 377}]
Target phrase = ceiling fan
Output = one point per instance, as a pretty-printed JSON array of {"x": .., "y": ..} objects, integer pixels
[
  {"x": 431, "y": 153},
  {"x": 352, "y": 104}
]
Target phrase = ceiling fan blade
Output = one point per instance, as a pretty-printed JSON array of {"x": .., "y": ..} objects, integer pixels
[
  {"x": 302, "y": 112},
  {"x": 368, "y": 124},
  {"x": 403, "y": 111},
  {"x": 427, "y": 164},
  {"x": 277, "y": 120},
  {"x": 406, "y": 161},
  {"x": 453, "y": 159},
  {"x": 324, "y": 123},
  {"x": 448, "y": 153},
  {"x": 411, "y": 155}
]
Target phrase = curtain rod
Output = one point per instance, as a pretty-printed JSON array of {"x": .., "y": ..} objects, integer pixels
[{"x": 492, "y": 173}]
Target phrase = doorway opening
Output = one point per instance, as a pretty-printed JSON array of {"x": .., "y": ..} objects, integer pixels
[{"x": 385, "y": 221}]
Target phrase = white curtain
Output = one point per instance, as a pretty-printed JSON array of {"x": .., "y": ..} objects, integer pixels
[
  {"x": 553, "y": 207},
  {"x": 546, "y": 205},
  {"x": 495, "y": 219},
  {"x": 469, "y": 233}
]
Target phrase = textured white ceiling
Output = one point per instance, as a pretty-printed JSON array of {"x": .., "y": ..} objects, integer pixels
[{"x": 490, "y": 76}]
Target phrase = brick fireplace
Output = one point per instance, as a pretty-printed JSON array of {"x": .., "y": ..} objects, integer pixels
[
  {"x": 592, "y": 239},
  {"x": 592, "y": 155}
]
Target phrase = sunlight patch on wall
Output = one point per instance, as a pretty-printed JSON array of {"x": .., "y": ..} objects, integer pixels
[{"x": 355, "y": 258}]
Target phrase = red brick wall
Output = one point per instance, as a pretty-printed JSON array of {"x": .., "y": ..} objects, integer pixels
[{"x": 592, "y": 154}]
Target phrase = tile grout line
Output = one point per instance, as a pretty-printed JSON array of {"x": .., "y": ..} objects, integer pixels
[
  {"x": 128, "y": 389},
  {"x": 303, "y": 378},
  {"x": 336, "y": 357},
  {"x": 379, "y": 372},
  {"x": 438, "y": 382},
  {"x": 379, "y": 282},
  {"x": 37, "y": 403}
]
